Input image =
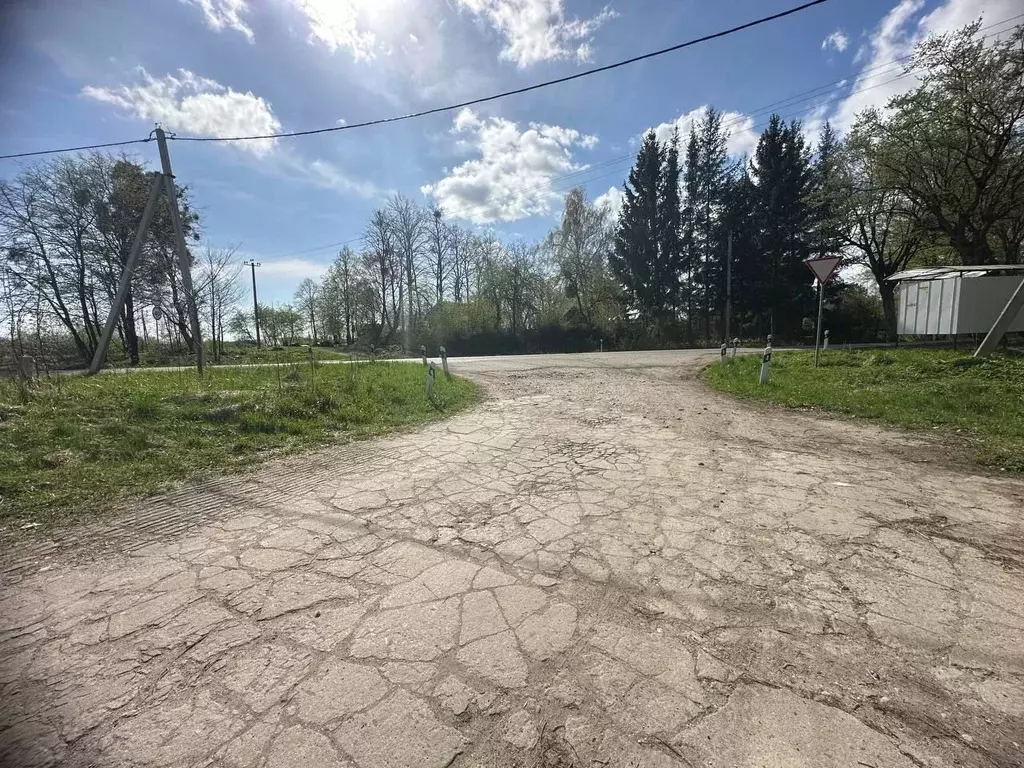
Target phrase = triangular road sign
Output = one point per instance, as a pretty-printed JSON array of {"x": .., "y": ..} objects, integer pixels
[{"x": 824, "y": 267}]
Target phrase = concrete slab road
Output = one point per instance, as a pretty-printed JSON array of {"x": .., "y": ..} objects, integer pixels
[{"x": 603, "y": 564}]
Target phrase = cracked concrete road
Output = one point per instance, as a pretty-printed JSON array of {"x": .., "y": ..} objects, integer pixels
[{"x": 602, "y": 564}]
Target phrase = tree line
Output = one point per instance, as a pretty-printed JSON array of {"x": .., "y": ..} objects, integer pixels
[{"x": 934, "y": 177}]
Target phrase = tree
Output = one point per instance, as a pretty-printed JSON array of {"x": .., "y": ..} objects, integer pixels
[
  {"x": 219, "y": 289},
  {"x": 954, "y": 146},
  {"x": 339, "y": 295},
  {"x": 670, "y": 245},
  {"x": 689, "y": 258},
  {"x": 826, "y": 195},
  {"x": 712, "y": 181},
  {"x": 408, "y": 222},
  {"x": 380, "y": 265},
  {"x": 781, "y": 172},
  {"x": 636, "y": 261},
  {"x": 307, "y": 299},
  {"x": 438, "y": 247},
  {"x": 872, "y": 218},
  {"x": 580, "y": 247}
]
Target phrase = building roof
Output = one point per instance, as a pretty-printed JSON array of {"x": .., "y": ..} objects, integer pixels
[{"x": 940, "y": 273}]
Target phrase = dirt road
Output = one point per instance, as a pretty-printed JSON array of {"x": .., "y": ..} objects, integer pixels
[{"x": 603, "y": 564}]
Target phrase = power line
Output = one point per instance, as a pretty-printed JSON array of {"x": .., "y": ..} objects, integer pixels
[
  {"x": 315, "y": 248},
  {"x": 75, "y": 149},
  {"x": 516, "y": 91},
  {"x": 820, "y": 90},
  {"x": 788, "y": 101}
]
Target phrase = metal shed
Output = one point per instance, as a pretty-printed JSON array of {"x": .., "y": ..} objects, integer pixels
[{"x": 940, "y": 301}]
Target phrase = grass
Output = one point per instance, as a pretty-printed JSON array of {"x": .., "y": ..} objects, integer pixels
[
  {"x": 72, "y": 445},
  {"x": 233, "y": 354},
  {"x": 978, "y": 404}
]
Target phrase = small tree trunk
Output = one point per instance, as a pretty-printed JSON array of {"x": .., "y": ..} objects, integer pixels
[
  {"x": 131, "y": 336},
  {"x": 888, "y": 293}
]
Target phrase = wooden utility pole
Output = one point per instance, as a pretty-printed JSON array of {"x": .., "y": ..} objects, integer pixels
[
  {"x": 255, "y": 304},
  {"x": 183, "y": 258}
]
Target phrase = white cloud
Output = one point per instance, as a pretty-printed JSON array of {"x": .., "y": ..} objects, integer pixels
[
  {"x": 344, "y": 24},
  {"x": 224, "y": 14},
  {"x": 192, "y": 104},
  {"x": 336, "y": 24},
  {"x": 511, "y": 178},
  {"x": 611, "y": 201},
  {"x": 742, "y": 136},
  {"x": 189, "y": 103},
  {"x": 537, "y": 30},
  {"x": 837, "y": 41},
  {"x": 895, "y": 37}
]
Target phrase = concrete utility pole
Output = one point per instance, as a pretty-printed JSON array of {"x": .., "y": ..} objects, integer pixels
[
  {"x": 728, "y": 286},
  {"x": 179, "y": 237},
  {"x": 126, "y": 275},
  {"x": 255, "y": 303}
]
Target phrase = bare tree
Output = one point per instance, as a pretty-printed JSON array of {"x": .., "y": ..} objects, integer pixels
[
  {"x": 218, "y": 286},
  {"x": 307, "y": 299},
  {"x": 439, "y": 247},
  {"x": 409, "y": 236},
  {"x": 380, "y": 265}
]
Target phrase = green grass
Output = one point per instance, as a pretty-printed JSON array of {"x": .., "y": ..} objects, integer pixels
[
  {"x": 234, "y": 354},
  {"x": 978, "y": 404},
  {"x": 72, "y": 445}
]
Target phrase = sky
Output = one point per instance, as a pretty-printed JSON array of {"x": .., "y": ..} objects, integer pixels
[{"x": 109, "y": 70}]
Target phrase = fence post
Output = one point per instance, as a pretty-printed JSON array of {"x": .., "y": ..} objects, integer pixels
[
  {"x": 444, "y": 364},
  {"x": 766, "y": 363}
]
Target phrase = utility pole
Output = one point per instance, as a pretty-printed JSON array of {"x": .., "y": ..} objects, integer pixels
[
  {"x": 255, "y": 303},
  {"x": 182, "y": 248},
  {"x": 817, "y": 333},
  {"x": 728, "y": 286}
]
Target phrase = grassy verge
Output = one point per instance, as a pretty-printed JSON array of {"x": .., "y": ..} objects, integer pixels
[
  {"x": 233, "y": 354},
  {"x": 981, "y": 404},
  {"x": 72, "y": 445}
]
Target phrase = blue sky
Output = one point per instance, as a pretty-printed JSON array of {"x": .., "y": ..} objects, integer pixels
[{"x": 107, "y": 70}]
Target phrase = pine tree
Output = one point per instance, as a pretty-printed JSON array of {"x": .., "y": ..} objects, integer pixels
[
  {"x": 690, "y": 257},
  {"x": 712, "y": 178},
  {"x": 635, "y": 262},
  {"x": 739, "y": 217},
  {"x": 781, "y": 171},
  {"x": 670, "y": 229},
  {"x": 824, "y": 200}
]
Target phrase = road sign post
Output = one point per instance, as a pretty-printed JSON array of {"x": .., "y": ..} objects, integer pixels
[{"x": 824, "y": 269}]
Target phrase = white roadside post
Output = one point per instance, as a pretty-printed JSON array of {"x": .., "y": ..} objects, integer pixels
[
  {"x": 602, "y": 345},
  {"x": 735, "y": 345},
  {"x": 431, "y": 375},
  {"x": 444, "y": 364},
  {"x": 725, "y": 351},
  {"x": 824, "y": 344},
  {"x": 766, "y": 363},
  {"x": 824, "y": 269},
  {"x": 423, "y": 353}
]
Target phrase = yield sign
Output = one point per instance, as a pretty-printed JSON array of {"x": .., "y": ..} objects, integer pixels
[{"x": 824, "y": 267}]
